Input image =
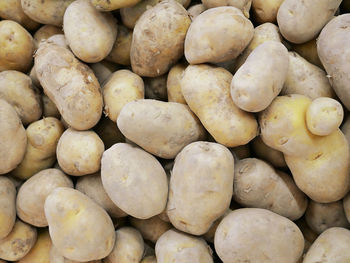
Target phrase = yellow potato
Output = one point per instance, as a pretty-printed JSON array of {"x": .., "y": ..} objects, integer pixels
[
  {"x": 268, "y": 154},
  {"x": 308, "y": 51},
  {"x": 49, "y": 108},
  {"x": 103, "y": 70},
  {"x": 109, "y": 5},
  {"x": 108, "y": 132},
  {"x": 120, "y": 52},
  {"x": 174, "y": 83},
  {"x": 243, "y": 5},
  {"x": 156, "y": 88},
  {"x": 265, "y": 10},
  {"x": 7, "y": 206},
  {"x": 45, "y": 32}
]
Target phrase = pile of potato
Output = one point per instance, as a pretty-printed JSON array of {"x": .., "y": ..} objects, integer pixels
[{"x": 144, "y": 131}]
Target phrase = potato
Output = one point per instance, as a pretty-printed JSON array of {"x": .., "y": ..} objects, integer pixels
[
  {"x": 91, "y": 185},
  {"x": 80, "y": 229},
  {"x": 49, "y": 108},
  {"x": 346, "y": 204},
  {"x": 33, "y": 193},
  {"x": 168, "y": 126},
  {"x": 153, "y": 49},
  {"x": 134, "y": 180},
  {"x": 56, "y": 257},
  {"x": 195, "y": 10},
  {"x": 301, "y": 21},
  {"x": 254, "y": 86},
  {"x": 243, "y": 5},
  {"x": 331, "y": 246},
  {"x": 276, "y": 238},
  {"x": 128, "y": 247},
  {"x": 149, "y": 259},
  {"x": 108, "y": 132},
  {"x": 120, "y": 52},
  {"x": 46, "y": 12},
  {"x": 308, "y": 51},
  {"x": 109, "y": 5},
  {"x": 17, "y": 47},
  {"x": 206, "y": 90},
  {"x": 44, "y": 33},
  {"x": 240, "y": 152},
  {"x": 7, "y": 206},
  {"x": 174, "y": 83},
  {"x": 121, "y": 87},
  {"x": 175, "y": 246},
  {"x": 155, "y": 88},
  {"x": 13, "y": 138},
  {"x": 103, "y": 70},
  {"x": 19, "y": 242},
  {"x": 59, "y": 40},
  {"x": 71, "y": 85},
  {"x": 225, "y": 23},
  {"x": 265, "y": 10},
  {"x": 268, "y": 154},
  {"x": 79, "y": 152},
  {"x": 43, "y": 136}
]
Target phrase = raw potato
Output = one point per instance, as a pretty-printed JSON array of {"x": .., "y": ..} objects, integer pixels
[
  {"x": 333, "y": 52},
  {"x": 134, "y": 180},
  {"x": 91, "y": 185},
  {"x": 257, "y": 184},
  {"x": 128, "y": 247},
  {"x": 333, "y": 245},
  {"x": 301, "y": 21},
  {"x": 80, "y": 229},
  {"x": 174, "y": 83},
  {"x": 89, "y": 33},
  {"x": 120, "y": 52},
  {"x": 109, "y": 133},
  {"x": 18, "y": 90},
  {"x": 79, "y": 152},
  {"x": 149, "y": 259},
  {"x": 209, "y": 236},
  {"x": 7, "y": 206},
  {"x": 17, "y": 47},
  {"x": 168, "y": 126},
  {"x": 103, "y": 70},
  {"x": 49, "y": 108},
  {"x": 19, "y": 242},
  {"x": 121, "y": 87},
  {"x": 206, "y": 90},
  {"x": 178, "y": 247},
  {"x": 308, "y": 51},
  {"x": 13, "y": 138},
  {"x": 276, "y": 238},
  {"x": 70, "y": 84},
  {"x": 196, "y": 10},
  {"x": 260, "y": 79},
  {"x": 109, "y": 5},
  {"x": 228, "y": 24},
  {"x": 58, "y": 39},
  {"x": 200, "y": 189},
  {"x": 156, "y": 88},
  {"x": 153, "y": 49},
  {"x": 243, "y": 5},
  {"x": 46, "y": 12},
  {"x": 56, "y": 257},
  {"x": 32, "y": 195},
  {"x": 45, "y": 32},
  {"x": 266, "y": 10},
  {"x": 268, "y": 154},
  {"x": 42, "y": 136},
  {"x": 306, "y": 79}
]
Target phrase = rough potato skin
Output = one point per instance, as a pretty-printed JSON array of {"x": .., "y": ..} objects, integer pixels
[
  {"x": 276, "y": 238},
  {"x": 7, "y": 206},
  {"x": 333, "y": 53},
  {"x": 109, "y": 5},
  {"x": 153, "y": 49},
  {"x": 120, "y": 52},
  {"x": 70, "y": 84},
  {"x": 243, "y": 5}
]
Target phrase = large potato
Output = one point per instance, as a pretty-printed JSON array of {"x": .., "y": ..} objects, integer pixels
[
  {"x": 161, "y": 128},
  {"x": 174, "y": 83},
  {"x": 32, "y": 195},
  {"x": 206, "y": 90},
  {"x": 258, "y": 235},
  {"x": 109, "y": 5},
  {"x": 243, "y": 5},
  {"x": 7, "y": 206},
  {"x": 44, "y": 33},
  {"x": 134, "y": 180},
  {"x": 56, "y": 257},
  {"x": 71, "y": 85},
  {"x": 80, "y": 229},
  {"x": 120, "y": 52},
  {"x": 153, "y": 49},
  {"x": 108, "y": 132},
  {"x": 264, "y": 152},
  {"x": 266, "y": 10},
  {"x": 225, "y": 23}
]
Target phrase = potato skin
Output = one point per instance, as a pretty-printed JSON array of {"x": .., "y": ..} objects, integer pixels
[
  {"x": 109, "y": 5},
  {"x": 80, "y": 224},
  {"x": 278, "y": 238},
  {"x": 149, "y": 259},
  {"x": 153, "y": 49},
  {"x": 49, "y": 108},
  {"x": 264, "y": 152},
  {"x": 7, "y": 206},
  {"x": 103, "y": 70},
  {"x": 120, "y": 52},
  {"x": 45, "y": 32},
  {"x": 265, "y": 10},
  {"x": 56, "y": 257},
  {"x": 71, "y": 85},
  {"x": 155, "y": 88},
  {"x": 195, "y": 10},
  {"x": 308, "y": 51},
  {"x": 174, "y": 83},
  {"x": 243, "y": 5}
]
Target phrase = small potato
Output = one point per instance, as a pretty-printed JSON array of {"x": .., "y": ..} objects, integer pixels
[
  {"x": 80, "y": 229},
  {"x": 308, "y": 51},
  {"x": 128, "y": 247},
  {"x": 32, "y": 195},
  {"x": 56, "y": 257},
  {"x": 103, "y": 70},
  {"x": 228, "y": 24},
  {"x": 276, "y": 238},
  {"x": 49, "y": 108},
  {"x": 149, "y": 259},
  {"x": 89, "y": 33},
  {"x": 153, "y": 49},
  {"x": 7, "y": 206},
  {"x": 155, "y": 88},
  {"x": 268, "y": 154},
  {"x": 175, "y": 246},
  {"x": 266, "y": 10},
  {"x": 260, "y": 79},
  {"x": 134, "y": 180},
  {"x": 120, "y": 52},
  {"x": 174, "y": 83},
  {"x": 206, "y": 90},
  {"x": 13, "y": 138},
  {"x": 301, "y": 21},
  {"x": 71, "y": 85},
  {"x": 45, "y": 32},
  {"x": 121, "y": 87},
  {"x": 168, "y": 126},
  {"x": 324, "y": 116},
  {"x": 109, "y": 5},
  {"x": 91, "y": 185},
  {"x": 43, "y": 136},
  {"x": 243, "y": 5},
  {"x": 108, "y": 132},
  {"x": 79, "y": 152},
  {"x": 333, "y": 245},
  {"x": 195, "y": 10},
  {"x": 17, "y": 47},
  {"x": 19, "y": 242}
]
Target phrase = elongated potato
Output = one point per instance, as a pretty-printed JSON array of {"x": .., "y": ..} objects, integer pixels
[
  {"x": 243, "y": 5},
  {"x": 120, "y": 52},
  {"x": 225, "y": 23},
  {"x": 109, "y": 5},
  {"x": 206, "y": 90},
  {"x": 266, "y": 10},
  {"x": 71, "y": 85},
  {"x": 174, "y": 83},
  {"x": 308, "y": 51},
  {"x": 7, "y": 206},
  {"x": 268, "y": 154},
  {"x": 168, "y": 126},
  {"x": 277, "y": 238},
  {"x": 153, "y": 49},
  {"x": 56, "y": 257},
  {"x": 80, "y": 229},
  {"x": 45, "y": 32}
]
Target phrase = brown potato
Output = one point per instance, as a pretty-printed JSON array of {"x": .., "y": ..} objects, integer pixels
[
  {"x": 7, "y": 206},
  {"x": 120, "y": 52},
  {"x": 174, "y": 83}
]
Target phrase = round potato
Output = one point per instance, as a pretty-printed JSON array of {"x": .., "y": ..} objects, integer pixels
[
  {"x": 49, "y": 108},
  {"x": 195, "y": 10},
  {"x": 109, "y": 133},
  {"x": 103, "y": 70},
  {"x": 155, "y": 88},
  {"x": 56, "y": 257},
  {"x": 45, "y": 32},
  {"x": 109, "y": 5},
  {"x": 7, "y": 206},
  {"x": 120, "y": 52},
  {"x": 174, "y": 83},
  {"x": 266, "y": 10},
  {"x": 308, "y": 51},
  {"x": 243, "y": 5},
  {"x": 268, "y": 154}
]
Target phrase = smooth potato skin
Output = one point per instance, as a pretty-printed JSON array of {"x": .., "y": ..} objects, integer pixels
[
  {"x": 266, "y": 10},
  {"x": 7, "y": 206},
  {"x": 110, "y": 5}
]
